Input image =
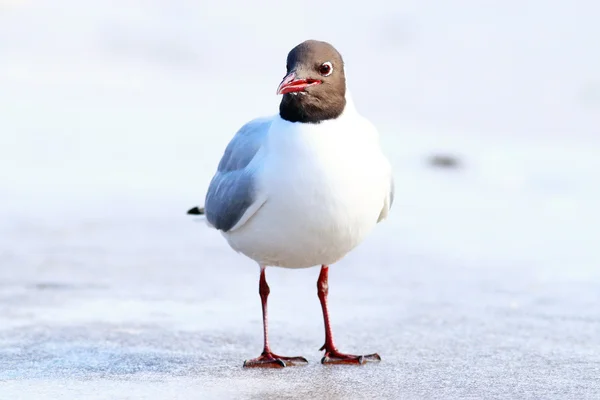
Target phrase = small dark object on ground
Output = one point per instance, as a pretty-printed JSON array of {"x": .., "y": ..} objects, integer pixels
[
  {"x": 196, "y": 211},
  {"x": 444, "y": 161}
]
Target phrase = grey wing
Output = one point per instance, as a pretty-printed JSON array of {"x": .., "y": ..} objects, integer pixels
[
  {"x": 232, "y": 196},
  {"x": 388, "y": 202},
  {"x": 392, "y": 190}
]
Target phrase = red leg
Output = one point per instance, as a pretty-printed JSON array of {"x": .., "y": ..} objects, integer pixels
[
  {"x": 268, "y": 359},
  {"x": 332, "y": 355}
]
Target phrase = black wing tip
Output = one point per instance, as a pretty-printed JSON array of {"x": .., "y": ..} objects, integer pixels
[{"x": 196, "y": 211}]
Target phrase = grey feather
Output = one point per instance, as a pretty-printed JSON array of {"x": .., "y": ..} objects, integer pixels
[
  {"x": 232, "y": 190},
  {"x": 388, "y": 202},
  {"x": 392, "y": 190}
]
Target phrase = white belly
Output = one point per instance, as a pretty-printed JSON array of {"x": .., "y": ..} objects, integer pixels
[{"x": 324, "y": 195}]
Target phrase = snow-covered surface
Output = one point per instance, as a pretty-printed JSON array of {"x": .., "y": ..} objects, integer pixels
[{"x": 484, "y": 282}]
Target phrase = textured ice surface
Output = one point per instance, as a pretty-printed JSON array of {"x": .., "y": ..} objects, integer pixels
[
  {"x": 484, "y": 282},
  {"x": 151, "y": 305}
]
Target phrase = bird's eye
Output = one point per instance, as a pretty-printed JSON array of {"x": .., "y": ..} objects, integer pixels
[{"x": 326, "y": 69}]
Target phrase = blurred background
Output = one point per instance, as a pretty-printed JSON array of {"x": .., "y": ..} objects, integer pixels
[
  {"x": 139, "y": 98},
  {"x": 113, "y": 116}
]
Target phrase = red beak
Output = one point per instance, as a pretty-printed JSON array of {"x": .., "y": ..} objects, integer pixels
[{"x": 290, "y": 84}]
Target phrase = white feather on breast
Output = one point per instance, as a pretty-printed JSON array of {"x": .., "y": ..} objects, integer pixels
[{"x": 326, "y": 185}]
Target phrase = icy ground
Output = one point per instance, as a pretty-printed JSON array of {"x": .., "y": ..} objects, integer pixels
[{"x": 484, "y": 282}]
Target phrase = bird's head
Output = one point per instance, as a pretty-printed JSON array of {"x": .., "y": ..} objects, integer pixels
[{"x": 314, "y": 88}]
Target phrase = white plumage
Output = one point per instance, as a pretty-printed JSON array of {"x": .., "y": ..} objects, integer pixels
[{"x": 318, "y": 190}]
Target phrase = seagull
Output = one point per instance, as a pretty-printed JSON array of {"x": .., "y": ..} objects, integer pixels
[{"x": 304, "y": 187}]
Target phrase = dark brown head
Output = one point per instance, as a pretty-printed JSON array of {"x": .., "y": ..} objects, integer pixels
[{"x": 314, "y": 88}]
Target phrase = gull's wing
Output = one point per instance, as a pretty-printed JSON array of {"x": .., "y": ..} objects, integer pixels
[
  {"x": 387, "y": 187},
  {"x": 233, "y": 196},
  {"x": 389, "y": 200}
]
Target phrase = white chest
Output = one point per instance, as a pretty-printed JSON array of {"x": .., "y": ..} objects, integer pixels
[
  {"x": 335, "y": 171},
  {"x": 325, "y": 184}
]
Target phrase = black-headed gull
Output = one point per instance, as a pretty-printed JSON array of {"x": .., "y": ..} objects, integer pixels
[{"x": 304, "y": 187}]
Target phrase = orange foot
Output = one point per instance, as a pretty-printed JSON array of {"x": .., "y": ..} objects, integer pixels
[{"x": 270, "y": 360}]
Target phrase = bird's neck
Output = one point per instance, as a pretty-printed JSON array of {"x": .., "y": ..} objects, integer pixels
[{"x": 297, "y": 108}]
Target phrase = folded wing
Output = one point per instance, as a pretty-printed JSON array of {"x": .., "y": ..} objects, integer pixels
[
  {"x": 233, "y": 196},
  {"x": 388, "y": 200}
]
